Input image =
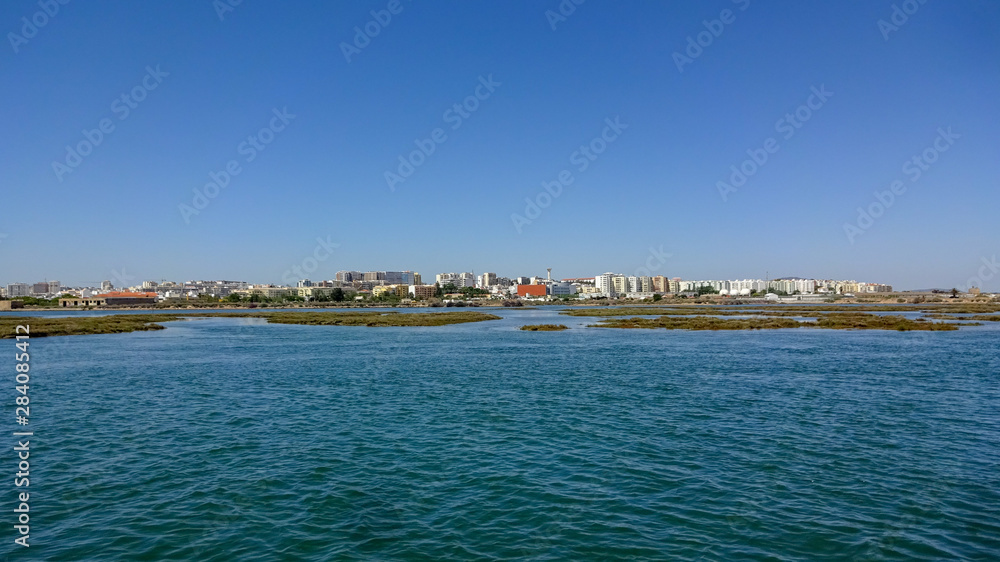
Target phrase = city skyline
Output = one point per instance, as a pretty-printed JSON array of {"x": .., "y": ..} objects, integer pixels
[
  {"x": 124, "y": 278},
  {"x": 984, "y": 277},
  {"x": 369, "y": 279},
  {"x": 738, "y": 137}
]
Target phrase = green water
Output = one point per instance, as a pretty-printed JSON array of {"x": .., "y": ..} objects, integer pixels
[{"x": 228, "y": 439}]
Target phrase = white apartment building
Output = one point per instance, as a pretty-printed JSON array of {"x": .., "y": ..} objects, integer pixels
[
  {"x": 619, "y": 284},
  {"x": 603, "y": 282},
  {"x": 459, "y": 280}
]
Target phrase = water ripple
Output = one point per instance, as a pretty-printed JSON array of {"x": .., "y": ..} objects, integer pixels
[{"x": 227, "y": 440}]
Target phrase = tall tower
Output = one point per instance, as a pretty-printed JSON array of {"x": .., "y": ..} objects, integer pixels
[{"x": 549, "y": 269}]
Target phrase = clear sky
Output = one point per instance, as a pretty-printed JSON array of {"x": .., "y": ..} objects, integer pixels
[{"x": 341, "y": 109}]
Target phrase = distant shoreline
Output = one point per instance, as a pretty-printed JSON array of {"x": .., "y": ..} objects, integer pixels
[
  {"x": 932, "y": 317},
  {"x": 931, "y": 299}
]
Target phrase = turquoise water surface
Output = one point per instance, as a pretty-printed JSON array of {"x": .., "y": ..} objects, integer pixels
[{"x": 231, "y": 439}]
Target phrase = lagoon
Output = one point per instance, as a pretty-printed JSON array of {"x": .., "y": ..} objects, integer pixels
[{"x": 231, "y": 438}]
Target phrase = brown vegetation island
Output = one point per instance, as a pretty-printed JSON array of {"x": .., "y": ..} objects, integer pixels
[
  {"x": 544, "y": 328},
  {"x": 831, "y": 321},
  {"x": 776, "y": 316},
  {"x": 119, "y": 323}
]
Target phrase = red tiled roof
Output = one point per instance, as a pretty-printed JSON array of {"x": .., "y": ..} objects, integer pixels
[{"x": 124, "y": 294}]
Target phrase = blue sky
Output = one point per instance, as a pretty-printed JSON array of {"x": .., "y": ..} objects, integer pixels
[{"x": 217, "y": 81}]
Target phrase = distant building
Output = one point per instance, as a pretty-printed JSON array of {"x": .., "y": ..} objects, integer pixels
[
  {"x": 18, "y": 290},
  {"x": 401, "y": 291},
  {"x": 531, "y": 290},
  {"x": 660, "y": 284},
  {"x": 127, "y": 298},
  {"x": 106, "y": 285},
  {"x": 81, "y": 301},
  {"x": 269, "y": 291},
  {"x": 422, "y": 291},
  {"x": 54, "y": 286},
  {"x": 349, "y": 276},
  {"x": 459, "y": 280},
  {"x": 619, "y": 285},
  {"x": 40, "y": 288},
  {"x": 604, "y": 283},
  {"x": 559, "y": 289},
  {"x": 392, "y": 277},
  {"x": 638, "y": 295}
]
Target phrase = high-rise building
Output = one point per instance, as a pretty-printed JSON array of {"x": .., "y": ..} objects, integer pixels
[
  {"x": 54, "y": 286},
  {"x": 393, "y": 277},
  {"x": 632, "y": 285},
  {"x": 40, "y": 288},
  {"x": 620, "y": 283},
  {"x": 349, "y": 276},
  {"x": 459, "y": 280},
  {"x": 487, "y": 280},
  {"x": 605, "y": 283},
  {"x": 15, "y": 290},
  {"x": 106, "y": 285}
]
